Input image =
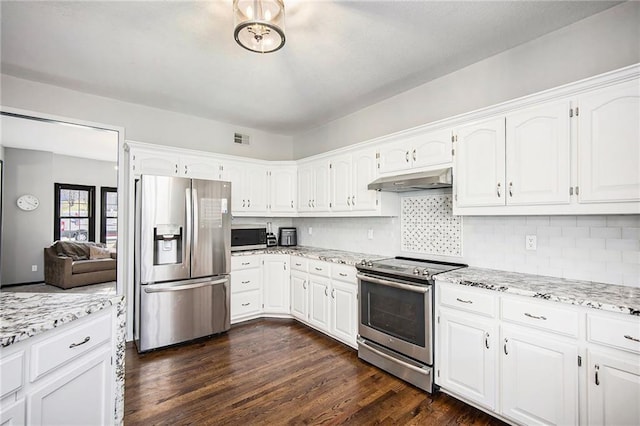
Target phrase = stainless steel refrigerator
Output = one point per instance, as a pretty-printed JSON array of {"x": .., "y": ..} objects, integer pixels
[{"x": 182, "y": 260}]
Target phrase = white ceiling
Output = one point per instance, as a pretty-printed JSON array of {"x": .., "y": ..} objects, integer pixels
[
  {"x": 59, "y": 138},
  {"x": 340, "y": 56}
]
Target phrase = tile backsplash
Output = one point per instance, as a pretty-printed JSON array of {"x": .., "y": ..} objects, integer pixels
[
  {"x": 428, "y": 226},
  {"x": 594, "y": 248}
]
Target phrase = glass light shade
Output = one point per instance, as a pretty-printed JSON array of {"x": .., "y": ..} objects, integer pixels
[{"x": 259, "y": 24}]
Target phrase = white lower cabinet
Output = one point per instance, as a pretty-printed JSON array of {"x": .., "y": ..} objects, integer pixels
[
  {"x": 539, "y": 377},
  {"x": 71, "y": 383},
  {"x": 66, "y": 394},
  {"x": 319, "y": 302},
  {"x": 299, "y": 296},
  {"x": 344, "y": 311},
  {"x": 468, "y": 360},
  {"x": 246, "y": 287},
  {"x": 276, "y": 284}
]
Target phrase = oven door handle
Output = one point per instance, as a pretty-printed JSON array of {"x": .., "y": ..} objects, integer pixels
[{"x": 408, "y": 287}]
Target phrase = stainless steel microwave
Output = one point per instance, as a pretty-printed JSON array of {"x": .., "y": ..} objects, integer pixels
[{"x": 248, "y": 237}]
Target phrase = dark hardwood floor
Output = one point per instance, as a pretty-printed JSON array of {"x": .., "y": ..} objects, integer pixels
[{"x": 271, "y": 372}]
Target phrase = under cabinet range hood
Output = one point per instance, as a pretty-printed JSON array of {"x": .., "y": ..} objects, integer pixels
[{"x": 441, "y": 178}]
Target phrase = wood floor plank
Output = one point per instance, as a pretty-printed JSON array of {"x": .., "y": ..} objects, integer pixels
[{"x": 273, "y": 372}]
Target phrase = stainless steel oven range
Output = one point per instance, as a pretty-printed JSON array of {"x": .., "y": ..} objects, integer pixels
[{"x": 395, "y": 330}]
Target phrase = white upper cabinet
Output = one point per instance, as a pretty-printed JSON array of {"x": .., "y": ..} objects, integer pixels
[
  {"x": 416, "y": 151},
  {"x": 313, "y": 187},
  {"x": 350, "y": 176},
  {"x": 198, "y": 167},
  {"x": 538, "y": 154},
  {"x": 480, "y": 166},
  {"x": 153, "y": 163},
  {"x": 248, "y": 187},
  {"x": 609, "y": 144},
  {"x": 282, "y": 189}
]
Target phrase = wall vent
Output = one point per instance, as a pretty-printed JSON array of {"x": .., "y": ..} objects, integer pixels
[{"x": 241, "y": 139}]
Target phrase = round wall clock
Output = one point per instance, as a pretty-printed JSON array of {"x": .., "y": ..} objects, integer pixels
[{"x": 28, "y": 202}]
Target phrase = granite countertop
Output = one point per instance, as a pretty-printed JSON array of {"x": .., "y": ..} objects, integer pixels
[
  {"x": 24, "y": 315},
  {"x": 326, "y": 255},
  {"x": 607, "y": 297}
]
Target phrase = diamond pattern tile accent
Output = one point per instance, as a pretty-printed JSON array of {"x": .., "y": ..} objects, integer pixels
[{"x": 429, "y": 226}]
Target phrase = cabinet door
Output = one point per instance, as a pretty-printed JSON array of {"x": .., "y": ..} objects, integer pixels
[
  {"x": 276, "y": 284},
  {"x": 479, "y": 164},
  {"x": 467, "y": 362},
  {"x": 395, "y": 157},
  {"x": 199, "y": 168},
  {"x": 234, "y": 173},
  {"x": 299, "y": 298},
  {"x": 539, "y": 377},
  {"x": 13, "y": 414},
  {"x": 319, "y": 302},
  {"x": 538, "y": 152},
  {"x": 344, "y": 311},
  {"x": 79, "y": 395},
  {"x": 432, "y": 149},
  {"x": 321, "y": 191},
  {"x": 609, "y": 144},
  {"x": 152, "y": 163},
  {"x": 282, "y": 189},
  {"x": 363, "y": 172},
  {"x": 613, "y": 390},
  {"x": 341, "y": 192},
  {"x": 305, "y": 188},
  {"x": 256, "y": 188}
]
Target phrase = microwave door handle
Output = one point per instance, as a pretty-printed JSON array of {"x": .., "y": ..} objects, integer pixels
[{"x": 413, "y": 288}]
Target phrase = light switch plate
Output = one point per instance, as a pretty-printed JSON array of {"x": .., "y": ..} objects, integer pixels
[
  {"x": 310, "y": 230},
  {"x": 370, "y": 234},
  {"x": 531, "y": 242}
]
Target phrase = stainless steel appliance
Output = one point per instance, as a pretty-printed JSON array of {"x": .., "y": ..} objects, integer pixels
[
  {"x": 182, "y": 260},
  {"x": 248, "y": 237},
  {"x": 288, "y": 237},
  {"x": 395, "y": 330},
  {"x": 271, "y": 238},
  {"x": 432, "y": 179}
]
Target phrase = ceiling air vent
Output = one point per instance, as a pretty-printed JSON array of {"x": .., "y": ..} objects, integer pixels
[{"x": 241, "y": 139}]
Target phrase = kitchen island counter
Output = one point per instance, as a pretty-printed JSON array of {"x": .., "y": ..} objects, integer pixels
[{"x": 606, "y": 297}]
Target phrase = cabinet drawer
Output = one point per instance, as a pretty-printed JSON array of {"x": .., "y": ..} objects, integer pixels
[
  {"x": 478, "y": 301},
  {"x": 318, "y": 267},
  {"x": 11, "y": 372},
  {"x": 245, "y": 262},
  {"x": 69, "y": 344},
  {"x": 343, "y": 273},
  {"x": 245, "y": 280},
  {"x": 622, "y": 333},
  {"x": 245, "y": 303},
  {"x": 299, "y": 263},
  {"x": 541, "y": 315}
]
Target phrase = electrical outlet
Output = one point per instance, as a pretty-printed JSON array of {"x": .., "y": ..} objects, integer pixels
[
  {"x": 531, "y": 242},
  {"x": 370, "y": 234},
  {"x": 310, "y": 231},
  {"x": 34, "y": 268}
]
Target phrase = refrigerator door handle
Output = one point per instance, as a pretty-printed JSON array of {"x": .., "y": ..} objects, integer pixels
[
  {"x": 160, "y": 288},
  {"x": 196, "y": 224},
  {"x": 186, "y": 250}
]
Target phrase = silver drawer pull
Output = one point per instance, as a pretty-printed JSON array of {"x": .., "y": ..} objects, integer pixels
[
  {"x": 626, "y": 336},
  {"x": 298, "y": 264},
  {"x": 246, "y": 282},
  {"x": 541, "y": 317},
  {"x": 246, "y": 263},
  {"x": 246, "y": 304},
  {"x": 463, "y": 301},
  {"x": 342, "y": 275},
  {"x": 73, "y": 345},
  {"x": 318, "y": 269}
]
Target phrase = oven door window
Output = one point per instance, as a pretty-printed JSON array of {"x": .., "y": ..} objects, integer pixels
[{"x": 394, "y": 311}]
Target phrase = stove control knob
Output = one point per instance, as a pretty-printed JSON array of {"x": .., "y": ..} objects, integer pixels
[
  {"x": 416, "y": 271},
  {"x": 425, "y": 272},
  {"x": 363, "y": 262},
  {"x": 370, "y": 264}
]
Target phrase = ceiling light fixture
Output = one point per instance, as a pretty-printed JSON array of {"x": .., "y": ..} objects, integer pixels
[{"x": 259, "y": 24}]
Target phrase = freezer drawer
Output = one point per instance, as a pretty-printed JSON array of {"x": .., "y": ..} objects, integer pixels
[{"x": 177, "y": 312}]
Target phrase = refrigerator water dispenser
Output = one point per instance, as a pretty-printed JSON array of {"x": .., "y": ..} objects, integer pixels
[{"x": 168, "y": 244}]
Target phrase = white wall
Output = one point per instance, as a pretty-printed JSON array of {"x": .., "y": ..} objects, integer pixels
[
  {"x": 26, "y": 234},
  {"x": 600, "y": 43},
  {"x": 593, "y": 248},
  {"x": 142, "y": 123}
]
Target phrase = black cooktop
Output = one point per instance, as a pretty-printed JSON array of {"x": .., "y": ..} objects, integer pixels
[{"x": 407, "y": 267}]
